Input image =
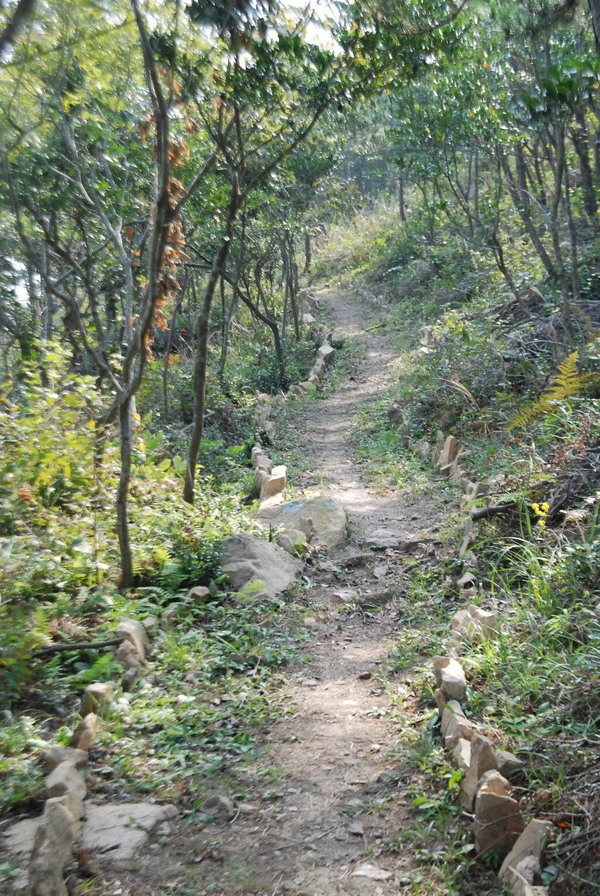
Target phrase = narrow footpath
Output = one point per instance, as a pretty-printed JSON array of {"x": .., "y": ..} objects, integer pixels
[{"x": 328, "y": 816}]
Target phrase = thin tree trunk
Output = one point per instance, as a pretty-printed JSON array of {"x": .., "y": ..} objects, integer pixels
[
  {"x": 572, "y": 237},
  {"x": 559, "y": 174},
  {"x": 228, "y": 317},
  {"x": 200, "y": 367},
  {"x": 521, "y": 200},
  {"x": 125, "y": 446},
  {"x": 165, "y": 370},
  {"x": 23, "y": 10},
  {"x": 595, "y": 9},
  {"x": 401, "y": 202}
]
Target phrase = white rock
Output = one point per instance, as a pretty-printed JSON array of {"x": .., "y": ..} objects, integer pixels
[
  {"x": 483, "y": 759},
  {"x": 135, "y": 632},
  {"x": 320, "y": 519},
  {"x": 275, "y": 484},
  {"x": 52, "y": 850},
  {"x": 450, "y": 677},
  {"x": 508, "y": 764},
  {"x": 462, "y": 753},
  {"x": 85, "y": 733},
  {"x": 117, "y": 831},
  {"x": 488, "y": 621},
  {"x": 249, "y": 559},
  {"x": 199, "y": 593},
  {"x": 455, "y": 724},
  {"x": 97, "y": 698},
  {"x": 465, "y": 627},
  {"x": 53, "y": 756},
  {"x": 66, "y": 781},
  {"x": 326, "y": 352},
  {"x": 448, "y": 453},
  {"x": 128, "y": 657}
]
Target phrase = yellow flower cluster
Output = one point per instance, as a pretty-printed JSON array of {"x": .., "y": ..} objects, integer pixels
[
  {"x": 541, "y": 511},
  {"x": 537, "y": 593}
]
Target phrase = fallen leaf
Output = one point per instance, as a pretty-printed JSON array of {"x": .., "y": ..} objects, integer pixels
[{"x": 372, "y": 872}]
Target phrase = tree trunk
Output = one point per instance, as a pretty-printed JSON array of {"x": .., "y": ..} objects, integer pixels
[
  {"x": 125, "y": 445},
  {"x": 307, "y": 251},
  {"x": 22, "y": 12},
  {"x": 559, "y": 174},
  {"x": 230, "y": 311},
  {"x": 595, "y": 9},
  {"x": 165, "y": 370},
  {"x": 581, "y": 143},
  {"x": 575, "y": 286},
  {"x": 200, "y": 369}
]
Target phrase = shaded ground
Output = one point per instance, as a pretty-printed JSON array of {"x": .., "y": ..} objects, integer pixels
[{"x": 321, "y": 810}]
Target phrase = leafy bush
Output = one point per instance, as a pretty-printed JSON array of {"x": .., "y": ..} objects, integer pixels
[
  {"x": 49, "y": 469},
  {"x": 264, "y": 375}
]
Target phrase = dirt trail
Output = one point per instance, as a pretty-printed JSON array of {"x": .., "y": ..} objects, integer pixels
[{"x": 327, "y": 821}]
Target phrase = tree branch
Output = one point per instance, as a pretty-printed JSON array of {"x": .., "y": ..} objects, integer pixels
[{"x": 23, "y": 11}]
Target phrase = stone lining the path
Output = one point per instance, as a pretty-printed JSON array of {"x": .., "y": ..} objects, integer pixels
[
  {"x": 114, "y": 829},
  {"x": 486, "y": 790}
]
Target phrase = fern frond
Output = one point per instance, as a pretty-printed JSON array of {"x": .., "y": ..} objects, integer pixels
[
  {"x": 567, "y": 382},
  {"x": 525, "y": 417}
]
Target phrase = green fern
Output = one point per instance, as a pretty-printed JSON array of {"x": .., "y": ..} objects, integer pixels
[{"x": 567, "y": 382}]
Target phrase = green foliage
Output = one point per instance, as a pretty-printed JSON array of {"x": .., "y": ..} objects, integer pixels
[
  {"x": 49, "y": 468},
  {"x": 21, "y": 777},
  {"x": 207, "y": 687},
  {"x": 58, "y": 474}
]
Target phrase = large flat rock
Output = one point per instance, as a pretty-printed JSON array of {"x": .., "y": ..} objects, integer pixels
[
  {"x": 321, "y": 519},
  {"x": 19, "y": 837},
  {"x": 114, "y": 831},
  {"x": 248, "y": 559}
]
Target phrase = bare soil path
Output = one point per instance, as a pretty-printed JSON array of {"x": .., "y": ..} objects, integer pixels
[{"x": 326, "y": 803}]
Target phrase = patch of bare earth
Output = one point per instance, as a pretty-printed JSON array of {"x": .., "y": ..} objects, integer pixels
[{"x": 325, "y": 803}]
